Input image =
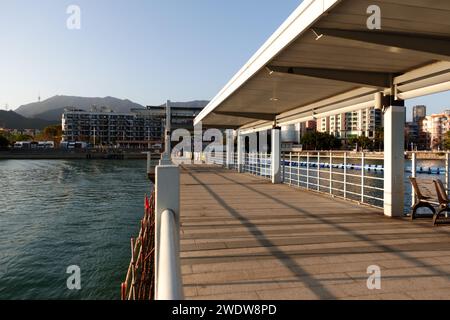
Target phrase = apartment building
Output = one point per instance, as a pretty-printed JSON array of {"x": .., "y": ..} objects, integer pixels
[
  {"x": 433, "y": 130},
  {"x": 364, "y": 122},
  {"x": 139, "y": 129}
]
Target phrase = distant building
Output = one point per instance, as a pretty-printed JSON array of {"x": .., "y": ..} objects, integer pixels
[
  {"x": 412, "y": 136},
  {"x": 139, "y": 129},
  {"x": 433, "y": 129},
  {"x": 419, "y": 113},
  {"x": 364, "y": 122}
]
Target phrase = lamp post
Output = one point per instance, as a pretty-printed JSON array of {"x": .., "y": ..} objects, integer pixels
[{"x": 166, "y": 157}]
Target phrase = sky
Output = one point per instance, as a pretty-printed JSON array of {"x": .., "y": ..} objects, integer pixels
[{"x": 147, "y": 51}]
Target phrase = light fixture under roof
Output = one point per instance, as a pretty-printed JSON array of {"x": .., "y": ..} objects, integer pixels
[
  {"x": 274, "y": 99},
  {"x": 270, "y": 71},
  {"x": 318, "y": 36}
]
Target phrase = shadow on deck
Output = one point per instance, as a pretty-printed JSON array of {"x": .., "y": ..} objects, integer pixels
[{"x": 244, "y": 238}]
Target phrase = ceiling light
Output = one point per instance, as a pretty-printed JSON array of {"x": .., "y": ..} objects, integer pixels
[
  {"x": 270, "y": 71},
  {"x": 318, "y": 36}
]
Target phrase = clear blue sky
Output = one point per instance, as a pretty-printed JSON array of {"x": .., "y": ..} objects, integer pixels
[{"x": 144, "y": 50}]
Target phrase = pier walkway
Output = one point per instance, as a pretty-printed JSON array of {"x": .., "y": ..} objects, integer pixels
[{"x": 245, "y": 238}]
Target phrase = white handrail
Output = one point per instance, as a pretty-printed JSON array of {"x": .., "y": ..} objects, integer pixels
[{"x": 169, "y": 282}]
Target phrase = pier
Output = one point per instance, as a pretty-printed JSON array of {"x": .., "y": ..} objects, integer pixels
[
  {"x": 261, "y": 222},
  {"x": 245, "y": 238}
]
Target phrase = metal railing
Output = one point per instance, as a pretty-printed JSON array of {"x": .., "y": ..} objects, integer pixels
[
  {"x": 258, "y": 164},
  {"x": 215, "y": 158},
  {"x": 235, "y": 164},
  {"x": 169, "y": 283},
  {"x": 350, "y": 176}
]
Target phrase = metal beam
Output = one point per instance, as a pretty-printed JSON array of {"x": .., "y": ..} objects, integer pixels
[
  {"x": 220, "y": 127},
  {"x": 436, "y": 45},
  {"x": 248, "y": 115},
  {"x": 363, "y": 78}
]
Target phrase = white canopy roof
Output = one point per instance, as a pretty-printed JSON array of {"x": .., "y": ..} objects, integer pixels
[{"x": 324, "y": 59}]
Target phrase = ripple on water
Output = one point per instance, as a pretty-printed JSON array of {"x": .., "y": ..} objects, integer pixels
[{"x": 60, "y": 213}]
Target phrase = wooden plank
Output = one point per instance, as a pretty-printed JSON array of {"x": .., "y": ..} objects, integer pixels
[{"x": 244, "y": 238}]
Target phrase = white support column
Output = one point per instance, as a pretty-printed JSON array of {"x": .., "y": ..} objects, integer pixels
[
  {"x": 394, "y": 161},
  {"x": 241, "y": 152},
  {"x": 229, "y": 149},
  {"x": 167, "y": 192},
  {"x": 276, "y": 156}
]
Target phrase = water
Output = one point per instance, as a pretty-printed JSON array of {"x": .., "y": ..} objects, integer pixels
[{"x": 54, "y": 214}]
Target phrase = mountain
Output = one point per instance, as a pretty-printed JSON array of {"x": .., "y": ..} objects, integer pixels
[
  {"x": 12, "y": 120},
  {"x": 52, "y": 108}
]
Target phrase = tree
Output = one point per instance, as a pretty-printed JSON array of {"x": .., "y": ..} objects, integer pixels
[
  {"x": 320, "y": 141},
  {"x": 361, "y": 142},
  {"x": 446, "y": 143},
  {"x": 378, "y": 142},
  {"x": 4, "y": 142},
  {"x": 51, "y": 133},
  {"x": 20, "y": 137}
]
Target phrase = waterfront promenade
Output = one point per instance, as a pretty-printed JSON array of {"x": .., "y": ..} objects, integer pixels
[{"x": 245, "y": 238}]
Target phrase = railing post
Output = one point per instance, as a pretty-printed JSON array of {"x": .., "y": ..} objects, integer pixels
[
  {"x": 298, "y": 170},
  {"x": 331, "y": 173},
  {"x": 167, "y": 197},
  {"x": 345, "y": 175},
  {"x": 307, "y": 170},
  {"x": 414, "y": 175},
  {"x": 290, "y": 168},
  {"x": 318, "y": 171},
  {"x": 363, "y": 164}
]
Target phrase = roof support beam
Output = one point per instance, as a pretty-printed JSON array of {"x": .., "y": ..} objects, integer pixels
[
  {"x": 425, "y": 44},
  {"x": 248, "y": 115},
  {"x": 363, "y": 78}
]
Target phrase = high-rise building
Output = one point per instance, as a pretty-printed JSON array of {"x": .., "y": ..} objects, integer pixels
[
  {"x": 364, "y": 122},
  {"x": 419, "y": 112}
]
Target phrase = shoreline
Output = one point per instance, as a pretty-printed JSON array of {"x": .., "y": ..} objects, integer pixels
[{"x": 60, "y": 155}]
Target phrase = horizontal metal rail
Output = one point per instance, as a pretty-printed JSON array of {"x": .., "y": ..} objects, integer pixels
[
  {"x": 350, "y": 177},
  {"x": 258, "y": 164},
  {"x": 169, "y": 279}
]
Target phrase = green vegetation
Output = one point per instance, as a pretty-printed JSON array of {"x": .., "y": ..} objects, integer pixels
[
  {"x": 50, "y": 133},
  {"x": 320, "y": 141},
  {"x": 4, "y": 142},
  {"x": 446, "y": 143},
  {"x": 361, "y": 142}
]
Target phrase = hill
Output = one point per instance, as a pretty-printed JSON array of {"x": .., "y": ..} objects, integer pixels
[
  {"x": 12, "y": 120},
  {"x": 52, "y": 108}
]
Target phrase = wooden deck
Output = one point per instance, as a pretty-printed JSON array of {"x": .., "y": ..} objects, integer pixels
[{"x": 244, "y": 238}]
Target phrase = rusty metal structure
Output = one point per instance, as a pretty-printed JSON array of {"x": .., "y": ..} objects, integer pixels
[{"x": 140, "y": 280}]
